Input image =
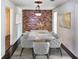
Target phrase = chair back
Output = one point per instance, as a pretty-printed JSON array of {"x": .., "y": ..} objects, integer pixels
[
  {"x": 56, "y": 43},
  {"x": 41, "y": 47}
]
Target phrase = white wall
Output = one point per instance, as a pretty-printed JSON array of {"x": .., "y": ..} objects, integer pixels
[
  {"x": 13, "y": 38},
  {"x": 76, "y": 29},
  {"x": 3, "y": 27},
  {"x": 69, "y": 36},
  {"x": 19, "y": 22},
  {"x": 4, "y": 4}
]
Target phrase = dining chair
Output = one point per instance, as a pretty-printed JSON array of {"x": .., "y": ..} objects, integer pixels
[
  {"x": 55, "y": 43},
  {"x": 24, "y": 42},
  {"x": 40, "y": 48}
]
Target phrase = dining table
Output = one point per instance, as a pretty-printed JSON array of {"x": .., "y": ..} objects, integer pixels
[{"x": 40, "y": 36}]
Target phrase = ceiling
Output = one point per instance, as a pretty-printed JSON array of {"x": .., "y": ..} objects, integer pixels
[{"x": 47, "y": 4}]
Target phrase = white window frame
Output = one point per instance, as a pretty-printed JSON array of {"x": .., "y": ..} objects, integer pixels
[{"x": 55, "y": 21}]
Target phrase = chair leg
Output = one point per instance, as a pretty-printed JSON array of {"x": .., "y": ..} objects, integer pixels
[
  {"x": 34, "y": 56},
  {"x": 21, "y": 51},
  {"x": 60, "y": 51},
  {"x": 47, "y": 56},
  {"x": 50, "y": 51}
]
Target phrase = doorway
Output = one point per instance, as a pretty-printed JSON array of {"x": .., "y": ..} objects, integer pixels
[{"x": 7, "y": 25}]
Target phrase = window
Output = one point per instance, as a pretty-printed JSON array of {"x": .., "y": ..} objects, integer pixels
[{"x": 55, "y": 22}]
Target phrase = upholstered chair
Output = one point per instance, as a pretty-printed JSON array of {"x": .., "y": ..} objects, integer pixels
[
  {"x": 41, "y": 48},
  {"x": 24, "y": 42},
  {"x": 55, "y": 43}
]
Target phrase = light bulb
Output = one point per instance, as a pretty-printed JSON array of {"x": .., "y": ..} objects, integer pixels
[{"x": 38, "y": 14}]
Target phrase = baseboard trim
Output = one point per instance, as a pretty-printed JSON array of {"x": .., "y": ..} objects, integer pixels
[
  {"x": 9, "y": 52},
  {"x": 69, "y": 52}
]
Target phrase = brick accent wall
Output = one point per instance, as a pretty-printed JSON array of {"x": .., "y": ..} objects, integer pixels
[{"x": 33, "y": 22}]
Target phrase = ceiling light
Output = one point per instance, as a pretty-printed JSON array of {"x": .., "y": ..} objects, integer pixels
[
  {"x": 38, "y": 1},
  {"x": 51, "y": 0}
]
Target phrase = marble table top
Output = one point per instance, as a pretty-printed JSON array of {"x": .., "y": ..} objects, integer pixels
[{"x": 40, "y": 36}]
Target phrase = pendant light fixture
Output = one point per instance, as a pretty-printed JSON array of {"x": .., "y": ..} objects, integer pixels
[{"x": 38, "y": 11}]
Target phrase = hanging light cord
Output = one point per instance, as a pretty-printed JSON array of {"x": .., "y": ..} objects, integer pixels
[{"x": 37, "y": 7}]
